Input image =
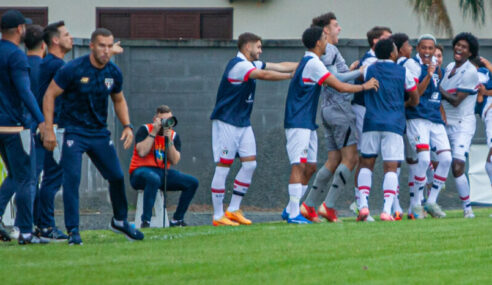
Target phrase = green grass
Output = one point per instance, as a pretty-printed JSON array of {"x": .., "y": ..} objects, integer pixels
[{"x": 446, "y": 251}]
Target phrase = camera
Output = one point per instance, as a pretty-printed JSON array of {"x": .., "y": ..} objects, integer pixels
[{"x": 169, "y": 122}]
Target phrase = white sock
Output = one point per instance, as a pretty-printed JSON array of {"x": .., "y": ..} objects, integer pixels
[
  {"x": 396, "y": 200},
  {"x": 440, "y": 176},
  {"x": 364, "y": 181},
  {"x": 464, "y": 191},
  {"x": 26, "y": 236},
  {"x": 241, "y": 184},
  {"x": 218, "y": 190},
  {"x": 390, "y": 183},
  {"x": 304, "y": 189},
  {"x": 295, "y": 191}
]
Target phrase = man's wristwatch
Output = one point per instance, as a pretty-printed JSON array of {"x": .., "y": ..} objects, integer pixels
[{"x": 128, "y": 126}]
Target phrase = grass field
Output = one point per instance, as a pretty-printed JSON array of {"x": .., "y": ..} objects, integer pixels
[{"x": 447, "y": 251}]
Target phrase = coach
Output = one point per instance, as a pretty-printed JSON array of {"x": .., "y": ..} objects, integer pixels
[{"x": 147, "y": 168}]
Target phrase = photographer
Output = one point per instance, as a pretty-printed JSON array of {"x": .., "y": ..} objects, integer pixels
[{"x": 147, "y": 168}]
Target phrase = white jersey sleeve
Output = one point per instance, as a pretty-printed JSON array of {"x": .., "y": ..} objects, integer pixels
[
  {"x": 259, "y": 64},
  {"x": 369, "y": 61},
  {"x": 240, "y": 72},
  {"x": 414, "y": 68},
  {"x": 315, "y": 72},
  {"x": 410, "y": 82}
]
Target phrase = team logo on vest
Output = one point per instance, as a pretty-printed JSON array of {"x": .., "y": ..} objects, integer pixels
[
  {"x": 250, "y": 98},
  {"x": 109, "y": 83},
  {"x": 69, "y": 143}
]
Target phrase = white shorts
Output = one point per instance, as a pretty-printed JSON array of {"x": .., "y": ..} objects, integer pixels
[
  {"x": 460, "y": 136},
  {"x": 229, "y": 140},
  {"x": 426, "y": 135},
  {"x": 487, "y": 120},
  {"x": 360, "y": 112},
  {"x": 389, "y": 144},
  {"x": 302, "y": 145}
]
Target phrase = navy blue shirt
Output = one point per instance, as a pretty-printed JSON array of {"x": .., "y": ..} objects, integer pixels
[
  {"x": 479, "y": 107},
  {"x": 385, "y": 108},
  {"x": 235, "y": 98},
  {"x": 48, "y": 68},
  {"x": 304, "y": 91},
  {"x": 34, "y": 62},
  {"x": 85, "y": 98},
  {"x": 17, "y": 102},
  {"x": 429, "y": 107}
]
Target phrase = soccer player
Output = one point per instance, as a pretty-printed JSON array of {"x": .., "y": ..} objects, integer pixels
[
  {"x": 373, "y": 36},
  {"x": 459, "y": 88},
  {"x": 35, "y": 53},
  {"x": 300, "y": 115},
  {"x": 231, "y": 127},
  {"x": 425, "y": 128},
  {"x": 59, "y": 42},
  {"x": 339, "y": 126},
  {"x": 484, "y": 105},
  {"x": 17, "y": 103},
  {"x": 384, "y": 123},
  {"x": 86, "y": 84}
]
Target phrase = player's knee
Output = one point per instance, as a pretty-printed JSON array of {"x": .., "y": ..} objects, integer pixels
[
  {"x": 152, "y": 178},
  {"x": 445, "y": 159},
  {"x": 249, "y": 166},
  {"x": 458, "y": 167},
  {"x": 310, "y": 169}
]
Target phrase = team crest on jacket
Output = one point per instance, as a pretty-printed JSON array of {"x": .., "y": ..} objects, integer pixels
[{"x": 109, "y": 83}]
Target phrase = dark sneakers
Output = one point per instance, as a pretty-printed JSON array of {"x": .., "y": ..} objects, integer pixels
[
  {"x": 74, "y": 237},
  {"x": 53, "y": 234},
  {"x": 4, "y": 233},
  {"x": 32, "y": 239},
  {"x": 144, "y": 225},
  {"x": 177, "y": 223},
  {"x": 130, "y": 232}
]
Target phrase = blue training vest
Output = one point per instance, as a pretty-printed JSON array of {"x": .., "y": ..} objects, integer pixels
[
  {"x": 302, "y": 101},
  {"x": 385, "y": 108},
  {"x": 430, "y": 102},
  {"x": 359, "y": 96},
  {"x": 479, "y": 106},
  {"x": 234, "y": 101}
]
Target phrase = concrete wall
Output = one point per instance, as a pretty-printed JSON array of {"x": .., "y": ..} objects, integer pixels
[
  {"x": 185, "y": 75},
  {"x": 274, "y": 19}
]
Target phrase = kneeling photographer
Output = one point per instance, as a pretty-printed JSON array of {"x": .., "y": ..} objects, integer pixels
[{"x": 156, "y": 144}]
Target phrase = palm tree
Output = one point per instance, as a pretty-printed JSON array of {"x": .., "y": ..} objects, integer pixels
[{"x": 435, "y": 13}]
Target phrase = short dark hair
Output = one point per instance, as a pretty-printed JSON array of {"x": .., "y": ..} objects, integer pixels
[
  {"x": 375, "y": 33},
  {"x": 440, "y": 47},
  {"x": 399, "y": 39},
  {"x": 52, "y": 31},
  {"x": 471, "y": 40},
  {"x": 384, "y": 48},
  {"x": 246, "y": 38},
  {"x": 100, "y": 32},
  {"x": 163, "y": 109},
  {"x": 34, "y": 37},
  {"x": 323, "y": 20},
  {"x": 311, "y": 36}
]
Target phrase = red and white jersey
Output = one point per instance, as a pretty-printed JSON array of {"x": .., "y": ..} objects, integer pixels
[
  {"x": 465, "y": 79},
  {"x": 315, "y": 71},
  {"x": 240, "y": 72}
]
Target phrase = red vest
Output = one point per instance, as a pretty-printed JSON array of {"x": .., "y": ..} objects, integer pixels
[{"x": 155, "y": 157}]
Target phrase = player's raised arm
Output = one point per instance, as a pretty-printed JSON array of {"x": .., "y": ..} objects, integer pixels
[
  {"x": 269, "y": 75},
  {"x": 48, "y": 135},
  {"x": 333, "y": 82},
  {"x": 281, "y": 66}
]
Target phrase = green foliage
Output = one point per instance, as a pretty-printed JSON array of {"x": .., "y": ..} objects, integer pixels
[{"x": 446, "y": 251}]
